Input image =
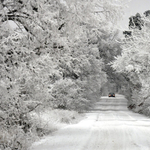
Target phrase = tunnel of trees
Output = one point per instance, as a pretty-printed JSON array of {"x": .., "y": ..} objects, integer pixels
[{"x": 60, "y": 55}]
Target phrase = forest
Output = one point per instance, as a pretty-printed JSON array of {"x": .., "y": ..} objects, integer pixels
[{"x": 58, "y": 60}]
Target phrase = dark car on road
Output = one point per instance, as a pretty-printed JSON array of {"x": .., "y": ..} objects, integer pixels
[{"x": 111, "y": 95}]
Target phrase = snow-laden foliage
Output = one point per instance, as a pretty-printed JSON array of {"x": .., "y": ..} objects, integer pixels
[
  {"x": 134, "y": 62},
  {"x": 50, "y": 60}
]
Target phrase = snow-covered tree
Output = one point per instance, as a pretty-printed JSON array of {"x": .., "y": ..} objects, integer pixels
[
  {"x": 134, "y": 62},
  {"x": 51, "y": 58}
]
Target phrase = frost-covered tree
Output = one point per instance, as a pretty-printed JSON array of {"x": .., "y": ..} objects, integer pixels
[
  {"x": 137, "y": 22},
  {"x": 50, "y": 59},
  {"x": 134, "y": 62}
]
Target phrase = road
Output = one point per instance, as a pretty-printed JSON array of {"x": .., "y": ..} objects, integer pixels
[{"x": 108, "y": 126}]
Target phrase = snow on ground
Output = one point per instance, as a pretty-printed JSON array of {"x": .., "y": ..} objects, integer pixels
[{"x": 108, "y": 126}]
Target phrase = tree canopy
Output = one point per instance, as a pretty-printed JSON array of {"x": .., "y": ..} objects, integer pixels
[
  {"x": 52, "y": 58},
  {"x": 137, "y": 22},
  {"x": 134, "y": 62}
]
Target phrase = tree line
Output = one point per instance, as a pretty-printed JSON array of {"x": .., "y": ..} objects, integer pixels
[
  {"x": 52, "y": 59},
  {"x": 134, "y": 62}
]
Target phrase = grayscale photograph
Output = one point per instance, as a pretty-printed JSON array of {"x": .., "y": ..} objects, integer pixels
[{"x": 74, "y": 74}]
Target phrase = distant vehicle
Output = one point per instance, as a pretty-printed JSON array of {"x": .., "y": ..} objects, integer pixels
[{"x": 111, "y": 95}]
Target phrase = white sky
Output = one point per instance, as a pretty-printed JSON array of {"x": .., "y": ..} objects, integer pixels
[{"x": 135, "y": 6}]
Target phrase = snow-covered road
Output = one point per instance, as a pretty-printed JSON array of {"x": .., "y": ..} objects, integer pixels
[{"x": 108, "y": 126}]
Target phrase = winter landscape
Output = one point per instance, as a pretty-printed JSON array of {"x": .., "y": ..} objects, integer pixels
[{"x": 59, "y": 60}]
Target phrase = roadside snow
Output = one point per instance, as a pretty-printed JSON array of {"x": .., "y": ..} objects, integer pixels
[{"x": 108, "y": 126}]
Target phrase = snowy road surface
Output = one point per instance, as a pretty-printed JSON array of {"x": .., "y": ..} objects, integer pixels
[{"x": 108, "y": 126}]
